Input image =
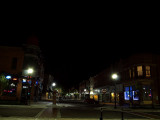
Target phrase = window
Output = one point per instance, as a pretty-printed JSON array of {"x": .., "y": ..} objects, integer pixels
[
  {"x": 139, "y": 70},
  {"x": 136, "y": 95},
  {"x": 148, "y": 72},
  {"x": 133, "y": 73},
  {"x": 130, "y": 73},
  {"x": 131, "y": 94},
  {"x": 128, "y": 93},
  {"x": 147, "y": 93},
  {"x": 14, "y": 63}
]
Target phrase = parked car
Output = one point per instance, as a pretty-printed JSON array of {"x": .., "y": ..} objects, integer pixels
[{"x": 90, "y": 101}]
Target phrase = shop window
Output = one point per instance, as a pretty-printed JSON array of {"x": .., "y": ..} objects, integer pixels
[
  {"x": 148, "y": 72},
  {"x": 126, "y": 93},
  {"x": 139, "y": 70},
  {"x": 131, "y": 94},
  {"x": 136, "y": 95},
  {"x": 147, "y": 93}
]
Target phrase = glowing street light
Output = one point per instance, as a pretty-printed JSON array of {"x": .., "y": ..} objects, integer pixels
[
  {"x": 54, "y": 93},
  {"x": 114, "y": 77},
  {"x": 30, "y": 71},
  {"x": 53, "y": 84}
]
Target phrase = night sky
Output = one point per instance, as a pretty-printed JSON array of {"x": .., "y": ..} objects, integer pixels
[{"x": 75, "y": 49}]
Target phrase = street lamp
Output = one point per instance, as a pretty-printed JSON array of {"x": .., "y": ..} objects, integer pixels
[
  {"x": 54, "y": 93},
  {"x": 53, "y": 84},
  {"x": 29, "y": 71},
  {"x": 114, "y": 77}
]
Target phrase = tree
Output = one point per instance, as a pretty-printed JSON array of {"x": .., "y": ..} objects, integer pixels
[{"x": 3, "y": 83}]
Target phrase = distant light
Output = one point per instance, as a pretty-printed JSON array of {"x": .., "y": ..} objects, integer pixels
[
  {"x": 114, "y": 76},
  {"x": 36, "y": 82},
  {"x": 24, "y": 80},
  {"x": 25, "y": 87},
  {"x": 8, "y": 77},
  {"x": 85, "y": 90},
  {"x": 112, "y": 94},
  {"x": 30, "y": 70},
  {"x": 53, "y": 84},
  {"x": 13, "y": 85},
  {"x": 14, "y": 78},
  {"x": 91, "y": 92}
]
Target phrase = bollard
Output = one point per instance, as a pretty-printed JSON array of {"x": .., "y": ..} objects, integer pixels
[
  {"x": 122, "y": 113},
  {"x": 101, "y": 117}
]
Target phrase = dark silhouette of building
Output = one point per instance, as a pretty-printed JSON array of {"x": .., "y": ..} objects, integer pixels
[{"x": 16, "y": 59}]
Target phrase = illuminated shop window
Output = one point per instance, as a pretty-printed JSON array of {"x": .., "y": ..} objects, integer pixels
[
  {"x": 139, "y": 70},
  {"x": 147, "y": 93},
  {"x": 130, "y": 94},
  {"x": 148, "y": 72},
  {"x": 126, "y": 93},
  {"x": 135, "y": 95}
]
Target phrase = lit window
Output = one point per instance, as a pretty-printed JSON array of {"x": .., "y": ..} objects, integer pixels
[
  {"x": 135, "y": 95},
  {"x": 126, "y": 93},
  {"x": 148, "y": 72},
  {"x": 139, "y": 70}
]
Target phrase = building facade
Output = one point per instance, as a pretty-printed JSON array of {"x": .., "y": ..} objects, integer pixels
[
  {"x": 15, "y": 61},
  {"x": 137, "y": 83},
  {"x": 47, "y": 86},
  {"x": 11, "y": 64}
]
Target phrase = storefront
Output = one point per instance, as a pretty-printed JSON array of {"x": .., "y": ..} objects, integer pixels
[{"x": 135, "y": 96}]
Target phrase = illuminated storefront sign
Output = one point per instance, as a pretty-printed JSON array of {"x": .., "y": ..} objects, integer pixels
[
  {"x": 14, "y": 78},
  {"x": 8, "y": 77}
]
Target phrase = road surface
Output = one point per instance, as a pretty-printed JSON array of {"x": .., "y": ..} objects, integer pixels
[{"x": 72, "y": 110}]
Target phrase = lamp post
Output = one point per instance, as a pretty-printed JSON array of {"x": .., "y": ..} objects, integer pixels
[
  {"x": 54, "y": 93},
  {"x": 114, "y": 77},
  {"x": 29, "y": 71}
]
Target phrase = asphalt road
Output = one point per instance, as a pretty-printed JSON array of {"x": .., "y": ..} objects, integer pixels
[
  {"x": 45, "y": 110},
  {"x": 19, "y": 112},
  {"x": 93, "y": 111}
]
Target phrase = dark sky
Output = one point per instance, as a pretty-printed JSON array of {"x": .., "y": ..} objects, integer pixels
[
  {"x": 76, "y": 46},
  {"x": 77, "y": 54}
]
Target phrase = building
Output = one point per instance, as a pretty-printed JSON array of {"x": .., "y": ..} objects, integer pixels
[
  {"x": 33, "y": 60},
  {"x": 137, "y": 84},
  {"x": 140, "y": 78},
  {"x": 15, "y": 61},
  {"x": 11, "y": 64},
  {"x": 84, "y": 89},
  {"x": 47, "y": 86}
]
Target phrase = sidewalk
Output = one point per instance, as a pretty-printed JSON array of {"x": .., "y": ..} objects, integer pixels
[{"x": 111, "y": 106}]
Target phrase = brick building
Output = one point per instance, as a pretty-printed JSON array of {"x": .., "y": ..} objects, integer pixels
[
  {"x": 137, "y": 83},
  {"x": 15, "y": 60}
]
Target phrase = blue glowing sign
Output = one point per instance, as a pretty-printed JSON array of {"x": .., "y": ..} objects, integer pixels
[{"x": 8, "y": 77}]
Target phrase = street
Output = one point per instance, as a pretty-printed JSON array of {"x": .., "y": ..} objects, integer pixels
[{"x": 72, "y": 110}]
